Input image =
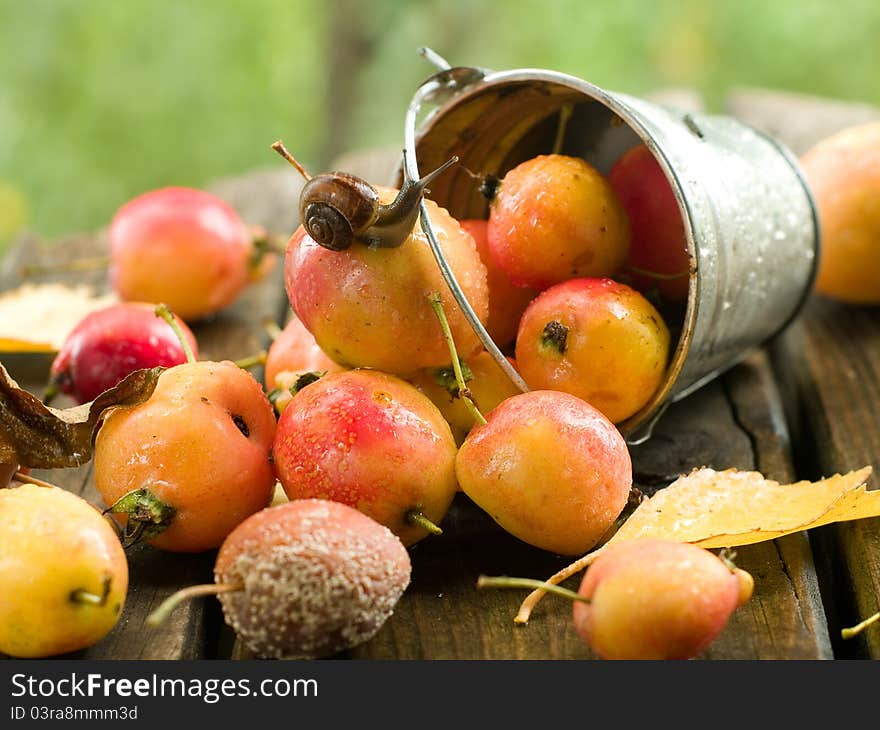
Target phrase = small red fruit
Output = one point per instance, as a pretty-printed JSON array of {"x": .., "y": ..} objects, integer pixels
[
  {"x": 180, "y": 246},
  {"x": 194, "y": 459},
  {"x": 110, "y": 343},
  {"x": 372, "y": 441},
  {"x": 658, "y": 256},
  {"x": 369, "y": 306},
  {"x": 556, "y": 217},
  {"x": 549, "y": 468},
  {"x": 292, "y": 353},
  {"x": 506, "y": 301},
  {"x": 657, "y": 599},
  {"x": 597, "y": 339}
]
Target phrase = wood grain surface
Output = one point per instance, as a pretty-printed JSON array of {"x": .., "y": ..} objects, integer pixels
[{"x": 804, "y": 408}]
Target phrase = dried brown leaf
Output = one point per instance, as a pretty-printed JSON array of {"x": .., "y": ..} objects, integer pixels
[{"x": 48, "y": 438}]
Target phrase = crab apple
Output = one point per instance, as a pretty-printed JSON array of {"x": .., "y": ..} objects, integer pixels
[
  {"x": 372, "y": 441},
  {"x": 597, "y": 339},
  {"x": 293, "y": 353},
  {"x": 189, "y": 464},
  {"x": 63, "y": 572},
  {"x": 181, "y": 246},
  {"x": 555, "y": 217},
  {"x": 368, "y": 306},
  {"x": 305, "y": 579},
  {"x": 658, "y": 256},
  {"x": 657, "y": 599},
  {"x": 108, "y": 344},
  {"x": 487, "y": 384},
  {"x": 843, "y": 172},
  {"x": 506, "y": 301},
  {"x": 549, "y": 468}
]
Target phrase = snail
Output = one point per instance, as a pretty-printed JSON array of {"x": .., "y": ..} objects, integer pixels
[{"x": 337, "y": 208}]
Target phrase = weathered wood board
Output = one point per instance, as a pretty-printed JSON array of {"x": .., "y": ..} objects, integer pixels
[
  {"x": 827, "y": 366},
  {"x": 821, "y": 370}
]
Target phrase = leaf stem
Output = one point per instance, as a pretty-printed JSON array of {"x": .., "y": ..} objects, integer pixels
[
  {"x": 163, "y": 312},
  {"x": 463, "y": 391}
]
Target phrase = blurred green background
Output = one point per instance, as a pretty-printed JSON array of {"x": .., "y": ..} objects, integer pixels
[{"x": 103, "y": 99}]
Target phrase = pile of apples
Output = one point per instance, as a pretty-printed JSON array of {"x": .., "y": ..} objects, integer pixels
[{"x": 378, "y": 406}]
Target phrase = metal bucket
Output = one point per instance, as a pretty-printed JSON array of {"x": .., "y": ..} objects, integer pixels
[{"x": 750, "y": 221}]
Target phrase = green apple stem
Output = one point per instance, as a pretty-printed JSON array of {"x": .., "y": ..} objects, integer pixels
[
  {"x": 82, "y": 596},
  {"x": 163, "y": 312},
  {"x": 148, "y": 516},
  {"x": 84, "y": 264},
  {"x": 564, "y": 116},
  {"x": 282, "y": 150},
  {"x": 184, "y": 594},
  {"x": 463, "y": 391},
  {"x": 416, "y": 517},
  {"x": 860, "y": 627},
  {"x": 51, "y": 392},
  {"x": 503, "y": 581},
  {"x": 251, "y": 361},
  {"x": 272, "y": 329}
]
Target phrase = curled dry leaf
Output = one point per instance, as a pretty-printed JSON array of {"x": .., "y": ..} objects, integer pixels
[
  {"x": 716, "y": 509},
  {"x": 34, "y": 435}
]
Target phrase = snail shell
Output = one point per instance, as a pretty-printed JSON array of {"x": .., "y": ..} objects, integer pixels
[{"x": 336, "y": 208}]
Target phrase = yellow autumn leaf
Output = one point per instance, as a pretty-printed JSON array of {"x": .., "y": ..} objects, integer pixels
[{"x": 715, "y": 509}]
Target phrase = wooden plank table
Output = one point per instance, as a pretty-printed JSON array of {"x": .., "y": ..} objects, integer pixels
[{"x": 800, "y": 408}]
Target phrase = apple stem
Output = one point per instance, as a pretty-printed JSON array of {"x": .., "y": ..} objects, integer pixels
[
  {"x": 184, "y": 594},
  {"x": 282, "y": 150},
  {"x": 51, "y": 392},
  {"x": 534, "y": 598},
  {"x": 272, "y": 329},
  {"x": 655, "y": 274},
  {"x": 463, "y": 391},
  {"x": 416, "y": 517},
  {"x": 28, "y": 479},
  {"x": 84, "y": 264},
  {"x": 81, "y": 595},
  {"x": 163, "y": 312},
  {"x": 503, "y": 581},
  {"x": 148, "y": 516},
  {"x": 251, "y": 361},
  {"x": 564, "y": 116},
  {"x": 858, "y": 628}
]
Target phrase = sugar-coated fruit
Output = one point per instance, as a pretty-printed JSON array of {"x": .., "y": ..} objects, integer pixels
[
  {"x": 549, "y": 468},
  {"x": 372, "y": 441},
  {"x": 555, "y": 217},
  {"x": 201, "y": 444},
  {"x": 506, "y": 301},
  {"x": 369, "y": 307},
  {"x": 658, "y": 257},
  {"x": 184, "y": 247},
  {"x": 657, "y": 599},
  {"x": 108, "y": 344},
  {"x": 63, "y": 573},
  {"x": 318, "y": 577},
  {"x": 597, "y": 339},
  {"x": 843, "y": 172}
]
